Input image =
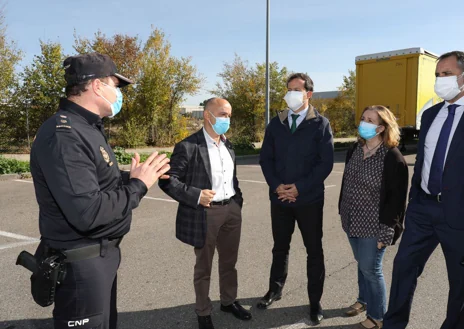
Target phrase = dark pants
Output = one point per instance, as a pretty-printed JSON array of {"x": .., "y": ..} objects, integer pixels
[
  {"x": 223, "y": 232},
  {"x": 426, "y": 227},
  {"x": 309, "y": 219},
  {"x": 86, "y": 299}
]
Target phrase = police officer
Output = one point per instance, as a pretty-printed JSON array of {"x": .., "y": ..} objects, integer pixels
[{"x": 85, "y": 201}]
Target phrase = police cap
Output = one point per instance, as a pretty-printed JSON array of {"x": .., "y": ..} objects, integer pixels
[{"x": 82, "y": 68}]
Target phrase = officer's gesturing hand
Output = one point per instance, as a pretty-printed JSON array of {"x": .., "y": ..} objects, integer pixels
[{"x": 151, "y": 170}]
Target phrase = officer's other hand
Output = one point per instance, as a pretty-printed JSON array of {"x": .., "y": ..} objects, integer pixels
[
  {"x": 151, "y": 170},
  {"x": 137, "y": 160},
  {"x": 206, "y": 198}
]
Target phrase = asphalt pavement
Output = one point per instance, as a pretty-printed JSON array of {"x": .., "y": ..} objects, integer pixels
[{"x": 156, "y": 274}]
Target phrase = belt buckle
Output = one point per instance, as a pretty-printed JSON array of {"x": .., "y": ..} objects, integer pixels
[{"x": 439, "y": 199}]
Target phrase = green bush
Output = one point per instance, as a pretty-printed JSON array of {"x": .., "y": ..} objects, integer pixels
[
  {"x": 13, "y": 166},
  {"x": 125, "y": 158},
  {"x": 121, "y": 156},
  {"x": 242, "y": 143}
]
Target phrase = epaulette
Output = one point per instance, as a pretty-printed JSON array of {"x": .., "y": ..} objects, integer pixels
[{"x": 63, "y": 123}]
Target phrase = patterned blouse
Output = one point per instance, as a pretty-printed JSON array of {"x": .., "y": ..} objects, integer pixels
[{"x": 361, "y": 196}]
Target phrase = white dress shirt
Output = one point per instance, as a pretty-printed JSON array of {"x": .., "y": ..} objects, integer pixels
[
  {"x": 433, "y": 134},
  {"x": 302, "y": 115},
  {"x": 222, "y": 169}
]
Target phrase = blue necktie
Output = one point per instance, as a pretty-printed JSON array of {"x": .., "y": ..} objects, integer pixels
[{"x": 436, "y": 170}]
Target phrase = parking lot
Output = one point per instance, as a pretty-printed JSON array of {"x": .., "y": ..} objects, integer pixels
[{"x": 156, "y": 274}]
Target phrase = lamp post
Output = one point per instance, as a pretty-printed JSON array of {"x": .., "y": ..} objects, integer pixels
[{"x": 267, "y": 62}]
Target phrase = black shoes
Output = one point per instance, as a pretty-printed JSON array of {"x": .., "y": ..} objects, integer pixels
[
  {"x": 268, "y": 299},
  {"x": 315, "y": 313},
  {"x": 237, "y": 310},
  {"x": 205, "y": 322}
]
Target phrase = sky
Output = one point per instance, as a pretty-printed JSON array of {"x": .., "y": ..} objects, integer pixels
[{"x": 320, "y": 37}]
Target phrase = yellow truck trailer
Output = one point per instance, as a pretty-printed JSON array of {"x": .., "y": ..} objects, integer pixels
[{"x": 402, "y": 80}]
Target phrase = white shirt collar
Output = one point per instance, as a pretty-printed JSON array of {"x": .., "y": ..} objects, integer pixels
[
  {"x": 210, "y": 139},
  {"x": 459, "y": 102},
  {"x": 302, "y": 113}
]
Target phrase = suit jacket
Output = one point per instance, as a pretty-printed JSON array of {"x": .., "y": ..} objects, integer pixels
[
  {"x": 453, "y": 174},
  {"x": 189, "y": 174}
]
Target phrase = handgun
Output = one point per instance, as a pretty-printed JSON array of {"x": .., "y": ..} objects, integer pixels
[{"x": 28, "y": 261}]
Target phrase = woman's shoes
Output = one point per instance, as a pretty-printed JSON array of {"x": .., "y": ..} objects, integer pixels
[
  {"x": 355, "y": 309},
  {"x": 370, "y": 323}
]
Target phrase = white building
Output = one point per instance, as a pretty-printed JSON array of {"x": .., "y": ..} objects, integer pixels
[
  {"x": 193, "y": 111},
  {"x": 326, "y": 94}
]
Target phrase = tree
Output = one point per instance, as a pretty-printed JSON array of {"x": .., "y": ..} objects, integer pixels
[
  {"x": 348, "y": 88},
  {"x": 184, "y": 80},
  {"x": 341, "y": 110},
  {"x": 244, "y": 87},
  {"x": 42, "y": 87},
  {"x": 163, "y": 84},
  {"x": 10, "y": 56},
  {"x": 126, "y": 53}
]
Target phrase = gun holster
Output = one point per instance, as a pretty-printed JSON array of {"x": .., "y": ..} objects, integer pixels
[
  {"x": 51, "y": 271},
  {"x": 48, "y": 266},
  {"x": 48, "y": 269}
]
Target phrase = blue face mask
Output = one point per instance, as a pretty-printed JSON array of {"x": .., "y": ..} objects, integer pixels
[
  {"x": 367, "y": 130},
  {"x": 221, "y": 126},
  {"x": 117, "y": 105}
]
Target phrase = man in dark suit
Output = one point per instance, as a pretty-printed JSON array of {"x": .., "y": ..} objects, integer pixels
[
  {"x": 203, "y": 180},
  {"x": 296, "y": 158},
  {"x": 435, "y": 214}
]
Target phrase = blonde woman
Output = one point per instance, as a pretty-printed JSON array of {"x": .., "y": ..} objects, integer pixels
[{"x": 372, "y": 206}]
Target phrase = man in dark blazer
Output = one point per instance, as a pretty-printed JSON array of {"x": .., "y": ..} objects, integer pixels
[
  {"x": 296, "y": 158},
  {"x": 203, "y": 180},
  {"x": 435, "y": 214}
]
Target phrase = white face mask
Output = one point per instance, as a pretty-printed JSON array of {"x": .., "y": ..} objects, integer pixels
[
  {"x": 448, "y": 87},
  {"x": 294, "y": 99}
]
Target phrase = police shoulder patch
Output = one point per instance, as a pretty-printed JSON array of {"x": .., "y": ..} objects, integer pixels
[{"x": 63, "y": 122}]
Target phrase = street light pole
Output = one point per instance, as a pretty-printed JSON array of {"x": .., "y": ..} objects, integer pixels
[
  {"x": 27, "y": 127},
  {"x": 267, "y": 61}
]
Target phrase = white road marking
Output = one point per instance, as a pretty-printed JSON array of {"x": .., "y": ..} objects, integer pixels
[
  {"x": 17, "y": 244},
  {"x": 302, "y": 324},
  {"x": 261, "y": 182},
  {"x": 160, "y": 199},
  {"x": 17, "y": 236},
  {"x": 240, "y": 180},
  {"x": 147, "y": 197},
  {"x": 252, "y": 181}
]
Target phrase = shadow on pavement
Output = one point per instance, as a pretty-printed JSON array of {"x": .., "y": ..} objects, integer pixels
[{"x": 183, "y": 317}]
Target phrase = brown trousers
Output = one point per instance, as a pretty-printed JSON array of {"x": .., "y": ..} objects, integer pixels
[{"x": 223, "y": 231}]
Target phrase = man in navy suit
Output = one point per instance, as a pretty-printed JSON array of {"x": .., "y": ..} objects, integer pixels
[{"x": 435, "y": 213}]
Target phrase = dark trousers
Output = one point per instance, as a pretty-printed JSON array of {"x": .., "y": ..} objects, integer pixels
[
  {"x": 426, "y": 227},
  {"x": 309, "y": 219},
  {"x": 223, "y": 232},
  {"x": 86, "y": 298}
]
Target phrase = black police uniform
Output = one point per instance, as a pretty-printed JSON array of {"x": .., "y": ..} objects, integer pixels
[{"x": 84, "y": 200}]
